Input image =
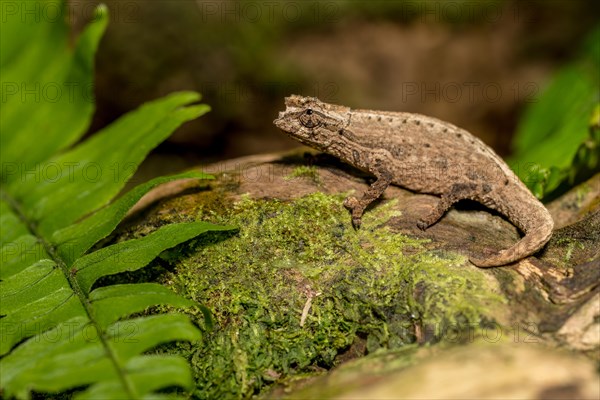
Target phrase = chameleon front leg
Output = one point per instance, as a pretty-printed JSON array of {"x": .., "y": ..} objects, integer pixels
[{"x": 357, "y": 207}]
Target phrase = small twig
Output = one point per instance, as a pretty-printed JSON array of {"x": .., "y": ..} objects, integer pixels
[{"x": 310, "y": 294}]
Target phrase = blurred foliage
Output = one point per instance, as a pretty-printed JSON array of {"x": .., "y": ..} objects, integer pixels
[
  {"x": 244, "y": 57},
  {"x": 252, "y": 43},
  {"x": 558, "y": 139},
  {"x": 453, "y": 13}
]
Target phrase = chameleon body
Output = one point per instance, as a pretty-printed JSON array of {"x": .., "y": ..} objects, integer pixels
[{"x": 425, "y": 155}]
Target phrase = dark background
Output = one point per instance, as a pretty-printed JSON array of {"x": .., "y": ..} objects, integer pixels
[{"x": 473, "y": 63}]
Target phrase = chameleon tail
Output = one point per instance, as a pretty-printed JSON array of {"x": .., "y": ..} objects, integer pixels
[
  {"x": 536, "y": 223},
  {"x": 530, "y": 244}
]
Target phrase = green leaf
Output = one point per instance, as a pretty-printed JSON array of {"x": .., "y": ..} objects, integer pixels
[
  {"x": 91, "y": 174},
  {"x": 111, "y": 303},
  {"x": 10, "y": 226},
  {"x": 21, "y": 367},
  {"x": 136, "y": 253},
  {"x": 40, "y": 279},
  {"x": 38, "y": 316},
  {"x": 76, "y": 239},
  {"x": 561, "y": 114},
  {"x": 155, "y": 372},
  {"x": 554, "y": 139},
  {"x": 46, "y": 84},
  {"x": 57, "y": 201},
  {"x": 148, "y": 373},
  {"x": 21, "y": 253},
  {"x": 134, "y": 336},
  {"x": 73, "y": 355}
]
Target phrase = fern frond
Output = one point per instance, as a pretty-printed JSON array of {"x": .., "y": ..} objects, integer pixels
[{"x": 57, "y": 330}]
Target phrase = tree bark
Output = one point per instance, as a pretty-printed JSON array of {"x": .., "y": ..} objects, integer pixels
[{"x": 553, "y": 297}]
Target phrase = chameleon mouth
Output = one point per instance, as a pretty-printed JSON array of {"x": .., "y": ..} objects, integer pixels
[{"x": 278, "y": 122}]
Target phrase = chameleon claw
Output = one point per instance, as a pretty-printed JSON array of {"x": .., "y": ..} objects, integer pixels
[
  {"x": 422, "y": 225},
  {"x": 356, "y": 223}
]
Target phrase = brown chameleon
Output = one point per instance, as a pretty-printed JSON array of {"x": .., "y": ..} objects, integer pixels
[{"x": 425, "y": 155}]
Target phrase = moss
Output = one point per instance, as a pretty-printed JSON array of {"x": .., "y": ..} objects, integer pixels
[
  {"x": 372, "y": 284},
  {"x": 570, "y": 245},
  {"x": 305, "y": 171}
]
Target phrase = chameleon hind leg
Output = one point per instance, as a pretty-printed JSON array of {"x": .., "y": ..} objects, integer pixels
[{"x": 456, "y": 193}]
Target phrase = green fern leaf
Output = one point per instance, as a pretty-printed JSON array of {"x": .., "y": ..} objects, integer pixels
[
  {"x": 76, "y": 239},
  {"x": 57, "y": 330},
  {"x": 47, "y": 85}
]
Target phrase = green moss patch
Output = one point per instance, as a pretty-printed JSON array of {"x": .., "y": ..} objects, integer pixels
[
  {"x": 298, "y": 286},
  {"x": 305, "y": 171}
]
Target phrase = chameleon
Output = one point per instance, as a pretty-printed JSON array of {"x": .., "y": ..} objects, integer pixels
[{"x": 424, "y": 155}]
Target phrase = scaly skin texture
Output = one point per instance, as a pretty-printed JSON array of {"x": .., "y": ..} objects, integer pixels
[{"x": 425, "y": 155}]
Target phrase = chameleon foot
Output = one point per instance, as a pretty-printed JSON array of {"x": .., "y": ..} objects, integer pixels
[
  {"x": 352, "y": 204},
  {"x": 422, "y": 225},
  {"x": 356, "y": 223}
]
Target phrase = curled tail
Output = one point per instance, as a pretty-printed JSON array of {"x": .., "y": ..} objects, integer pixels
[{"x": 528, "y": 214}]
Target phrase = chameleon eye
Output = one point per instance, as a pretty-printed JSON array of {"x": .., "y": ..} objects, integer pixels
[{"x": 309, "y": 118}]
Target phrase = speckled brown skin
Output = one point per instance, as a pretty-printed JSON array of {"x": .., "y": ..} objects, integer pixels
[{"x": 425, "y": 155}]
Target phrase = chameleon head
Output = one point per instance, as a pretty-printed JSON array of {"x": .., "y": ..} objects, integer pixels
[{"x": 312, "y": 122}]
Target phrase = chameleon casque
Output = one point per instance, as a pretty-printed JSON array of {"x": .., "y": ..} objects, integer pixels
[{"x": 425, "y": 155}]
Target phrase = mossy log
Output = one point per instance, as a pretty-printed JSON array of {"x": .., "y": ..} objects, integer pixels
[{"x": 304, "y": 306}]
